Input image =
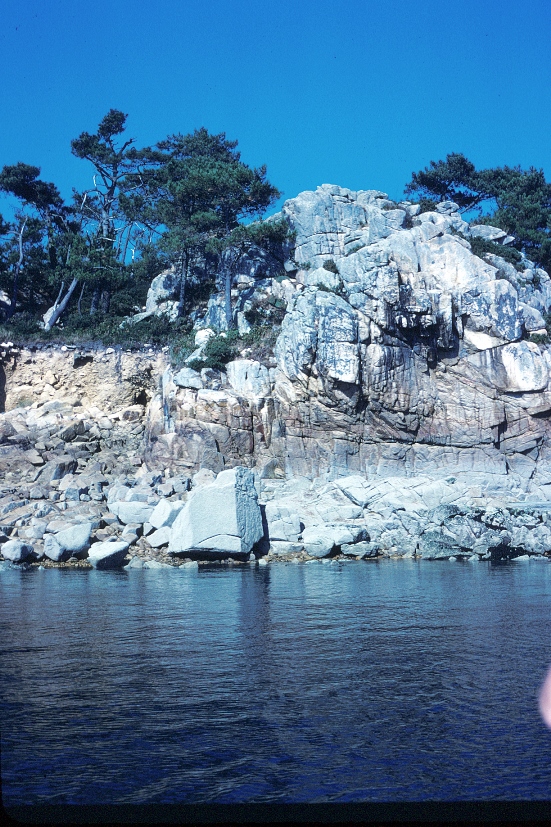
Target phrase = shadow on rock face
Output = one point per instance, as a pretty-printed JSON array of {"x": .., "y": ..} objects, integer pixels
[
  {"x": 2, "y": 390},
  {"x": 262, "y": 546},
  {"x": 80, "y": 361}
]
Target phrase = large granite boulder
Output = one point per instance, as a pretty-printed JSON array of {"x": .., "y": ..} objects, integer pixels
[
  {"x": 165, "y": 512},
  {"x": 108, "y": 554},
  {"x": 188, "y": 378},
  {"x": 132, "y": 512},
  {"x": 56, "y": 469},
  {"x": 63, "y": 544},
  {"x": 223, "y": 516},
  {"x": 16, "y": 551},
  {"x": 162, "y": 294}
]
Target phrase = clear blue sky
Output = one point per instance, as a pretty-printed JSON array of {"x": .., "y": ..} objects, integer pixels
[{"x": 358, "y": 93}]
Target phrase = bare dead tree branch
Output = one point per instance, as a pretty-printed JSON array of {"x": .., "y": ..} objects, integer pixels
[{"x": 17, "y": 269}]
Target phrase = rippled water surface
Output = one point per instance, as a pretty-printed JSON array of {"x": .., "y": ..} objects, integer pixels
[{"x": 361, "y": 681}]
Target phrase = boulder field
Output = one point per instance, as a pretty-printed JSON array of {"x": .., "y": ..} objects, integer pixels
[{"x": 404, "y": 411}]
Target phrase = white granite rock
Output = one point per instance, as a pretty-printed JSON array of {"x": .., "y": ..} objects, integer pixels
[
  {"x": 16, "y": 551},
  {"x": 318, "y": 541},
  {"x": 223, "y": 516},
  {"x": 355, "y": 488},
  {"x": 514, "y": 367},
  {"x": 53, "y": 550},
  {"x": 323, "y": 277},
  {"x": 320, "y": 327},
  {"x": 107, "y": 555},
  {"x": 132, "y": 512},
  {"x": 283, "y": 523},
  {"x": 488, "y": 232},
  {"x": 248, "y": 377},
  {"x": 203, "y": 336},
  {"x": 188, "y": 378},
  {"x": 76, "y": 538},
  {"x": 165, "y": 512},
  {"x": 135, "y": 563},
  {"x": 159, "y": 538}
]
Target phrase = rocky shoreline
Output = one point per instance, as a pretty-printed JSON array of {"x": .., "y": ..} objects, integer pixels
[
  {"x": 405, "y": 411},
  {"x": 77, "y": 493}
]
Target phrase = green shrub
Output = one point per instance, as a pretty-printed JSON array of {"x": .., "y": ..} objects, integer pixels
[
  {"x": 181, "y": 346},
  {"x": 267, "y": 311},
  {"x": 260, "y": 342},
  {"x": 329, "y": 264},
  {"x": 22, "y": 324},
  {"x": 253, "y": 316},
  {"x": 427, "y": 205},
  {"x": 480, "y": 246},
  {"x": 218, "y": 352},
  {"x": 124, "y": 303},
  {"x": 539, "y": 338},
  {"x": 354, "y": 249},
  {"x": 337, "y": 291}
]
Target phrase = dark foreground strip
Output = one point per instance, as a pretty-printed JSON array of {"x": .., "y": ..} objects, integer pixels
[{"x": 416, "y": 812}]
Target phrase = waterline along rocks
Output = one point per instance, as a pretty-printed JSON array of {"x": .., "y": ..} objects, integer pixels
[{"x": 404, "y": 410}]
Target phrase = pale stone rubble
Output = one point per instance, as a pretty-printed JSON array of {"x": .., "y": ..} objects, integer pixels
[
  {"x": 406, "y": 412},
  {"x": 88, "y": 513}
]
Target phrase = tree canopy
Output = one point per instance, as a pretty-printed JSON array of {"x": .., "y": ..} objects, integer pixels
[
  {"x": 190, "y": 201},
  {"x": 195, "y": 191},
  {"x": 178, "y": 202},
  {"x": 516, "y": 200}
]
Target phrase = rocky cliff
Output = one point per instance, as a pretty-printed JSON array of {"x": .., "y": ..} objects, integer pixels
[
  {"x": 409, "y": 355},
  {"x": 406, "y": 405}
]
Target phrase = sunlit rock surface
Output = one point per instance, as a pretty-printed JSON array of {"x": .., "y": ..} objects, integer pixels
[
  {"x": 223, "y": 516},
  {"x": 406, "y": 409}
]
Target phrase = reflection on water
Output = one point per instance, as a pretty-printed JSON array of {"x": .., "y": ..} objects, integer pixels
[{"x": 388, "y": 681}]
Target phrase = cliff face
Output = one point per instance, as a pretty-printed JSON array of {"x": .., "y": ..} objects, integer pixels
[
  {"x": 406, "y": 410},
  {"x": 407, "y": 356}
]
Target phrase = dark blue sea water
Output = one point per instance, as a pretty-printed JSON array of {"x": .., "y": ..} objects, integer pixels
[{"x": 360, "y": 681}]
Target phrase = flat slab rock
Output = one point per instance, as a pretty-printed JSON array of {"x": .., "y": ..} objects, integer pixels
[{"x": 107, "y": 555}]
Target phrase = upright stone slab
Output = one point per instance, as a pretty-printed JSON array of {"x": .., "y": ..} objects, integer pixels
[{"x": 223, "y": 516}]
